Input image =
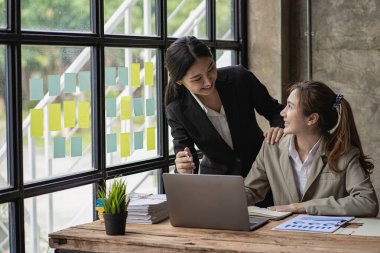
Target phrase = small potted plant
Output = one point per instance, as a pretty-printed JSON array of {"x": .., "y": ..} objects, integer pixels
[{"x": 115, "y": 202}]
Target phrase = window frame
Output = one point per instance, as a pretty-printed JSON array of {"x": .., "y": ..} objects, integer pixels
[{"x": 13, "y": 38}]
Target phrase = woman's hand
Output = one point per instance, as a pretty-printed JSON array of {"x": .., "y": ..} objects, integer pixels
[
  {"x": 184, "y": 162},
  {"x": 274, "y": 134},
  {"x": 294, "y": 208}
]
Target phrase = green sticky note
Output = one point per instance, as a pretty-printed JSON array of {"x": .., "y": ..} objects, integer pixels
[
  {"x": 139, "y": 140},
  {"x": 59, "y": 147},
  {"x": 135, "y": 74},
  {"x": 69, "y": 114},
  {"x": 149, "y": 107},
  {"x": 111, "y": 143},
  {"x": 76, "y": 146},
  {"x": 125, "y": 145},
  {"x": 36, "y": 86},
  {"x": 110, "y": 76},
  {"x": 125, "y": 108},
  {"x": 54, "y": 117},
  {"x": 148, "y": 66},
  {"x": 151, "y": 138},
  {"x": 84, "y": 115},
  {"x": 138, "y": 106},
  {"x": 111, "y": 107},
  {"x": 123, "y": 75},
  {"x": 54, "y": 85},
  {"x": 70, "y": 82},
  {"x": 84, "y": 80},
  {"x": 36, "y": 122}
]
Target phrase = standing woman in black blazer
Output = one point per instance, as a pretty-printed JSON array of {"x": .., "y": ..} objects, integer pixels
[{"x": 215, "y": 109}]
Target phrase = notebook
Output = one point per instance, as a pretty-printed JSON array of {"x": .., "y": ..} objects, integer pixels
[
  {"x": 264, "y": 212},
  {"x": 208, "y": 201}
]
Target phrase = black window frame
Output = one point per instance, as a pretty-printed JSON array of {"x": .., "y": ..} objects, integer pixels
[{"x": 13, "y": 38}]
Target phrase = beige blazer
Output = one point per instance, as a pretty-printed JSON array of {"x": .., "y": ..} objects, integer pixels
[{"x": 326, "y": 193}]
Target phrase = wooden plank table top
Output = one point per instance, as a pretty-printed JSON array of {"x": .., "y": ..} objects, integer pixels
[{"x": 163, "y": 237}]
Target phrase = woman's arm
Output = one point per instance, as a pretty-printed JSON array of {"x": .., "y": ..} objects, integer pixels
[{"x": 186, "y": 155}]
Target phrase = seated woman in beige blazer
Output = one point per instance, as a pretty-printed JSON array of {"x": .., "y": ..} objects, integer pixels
[{"x": 319, "y": 168}]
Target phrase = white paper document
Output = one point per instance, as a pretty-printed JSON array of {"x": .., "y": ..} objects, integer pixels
[{"x": 316, "y": 224}]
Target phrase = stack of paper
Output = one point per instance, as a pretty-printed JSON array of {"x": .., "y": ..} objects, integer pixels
[
  {"x": 316, "y": 224},
  {"x": 264, "y": 212},
  {"x": 147, "y": 208}
]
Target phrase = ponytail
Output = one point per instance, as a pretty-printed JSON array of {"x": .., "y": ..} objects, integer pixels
[
  {"x": 172, "y": 91},
  {"x": 345, "y": 134}
]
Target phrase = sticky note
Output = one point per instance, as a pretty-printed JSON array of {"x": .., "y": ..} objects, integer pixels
[
  {"x": 54, "y": 85},
  {"x": 135, "y": 74},
  {"x": 125, "y": 108},
  {"x": 148, "y": 67},
  {"x": 139, "y": 140},
  {"x": 111, "y": 107},
  {"x": 70, "y": 82},
  {"x": 138, "y": 106},
  {"x": 36, "y": 122},
  {"x": 54, "y": 117},
  {"x": 111, "y": 142},
  {"x": 84, "y": 115},
  {"x": 125, "y": 145},
  {"x": 149, "y": 106},
  {"x": 59, "y": 147},
  {"x": 123, "y": 75},
  {"x": 110, "y": 75},
  {"x": 84, "y": 80},
  {"x": 76, "y": 146},
  {"x": 151, "y": 138},
  {"x": 36, "y": 88},
  {"x": 69, "y": 114}
]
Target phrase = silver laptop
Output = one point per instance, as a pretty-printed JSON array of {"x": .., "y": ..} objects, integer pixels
[{"x": 208, "y": 201}]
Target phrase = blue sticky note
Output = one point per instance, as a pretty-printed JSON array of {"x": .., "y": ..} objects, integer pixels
[
  {"x": 111, "y": 107},
  {"x": 36, "y": 86},
  {"x": 76, "y": 146},
  {"x": 111, "y": 143},
  {"x": 110, "y": 76},
  {"x": 84, "y": 80},
  {"x": 70, "y": 82},
  {"x": 139, "y": 140},
  {"x": 149, "y": 107},
  {"x": 59, "y": 147},
  {"x": 138, "y": 106},
  {"x": 123, "y": 75},
  {"x": 54, "y": 85}
]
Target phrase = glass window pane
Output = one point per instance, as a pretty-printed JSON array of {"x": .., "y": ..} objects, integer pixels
[
  {"x": 144, "y": 182},
  {"x": 3, "y": 14},
  {"x": 131, "y": 105},
  {"x": 187, "y": 18},
  {"x": 56, "y": 15},
  {"x": 4, "y": 227},
  {"x": 51, "y": 212},
  {"x": 130, "y": 17},
  {"x": 225, "y": 58},
  {"x": 225, "y": 19},
  {"x": 3, "y": 119},
  {"x": 56, "y": 110}
]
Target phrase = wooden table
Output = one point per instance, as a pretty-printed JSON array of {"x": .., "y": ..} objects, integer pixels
[{"x": 163, "y": 237}]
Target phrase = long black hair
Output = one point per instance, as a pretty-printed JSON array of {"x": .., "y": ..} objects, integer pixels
[{"x": 180, "y": 56}]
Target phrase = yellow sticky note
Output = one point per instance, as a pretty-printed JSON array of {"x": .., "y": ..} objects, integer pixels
[
  {"x": 84, "y": 115},
  {"x": 148, "y": 67},
  {"x": 36, "y": 122},
  {"x": 69, "y": 113},
  {"x": 125, "y": 145},
  {"x": 151, "y": 138},
  {"x": 125, "y": 107},
  {"x": 54, "y": 117},
  {"x": 135, "y": 74}
]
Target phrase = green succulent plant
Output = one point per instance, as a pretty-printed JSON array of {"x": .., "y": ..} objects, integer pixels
[{"x": 115, "y": 200}]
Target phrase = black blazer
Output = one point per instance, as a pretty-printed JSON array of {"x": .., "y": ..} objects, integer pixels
[{"x": 241, "y": 94}]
